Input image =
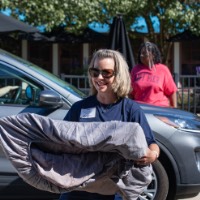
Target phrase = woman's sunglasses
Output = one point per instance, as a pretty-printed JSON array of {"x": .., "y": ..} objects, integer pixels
[{"x": 106, "y": 73}]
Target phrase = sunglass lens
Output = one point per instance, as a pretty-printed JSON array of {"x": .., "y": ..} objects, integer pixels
[
  {"x": 107, "y": 73},
  {"x": 94, "y": 72}
]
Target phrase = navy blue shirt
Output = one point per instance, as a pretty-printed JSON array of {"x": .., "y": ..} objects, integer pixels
[
  {"x": 91, "y": 110},
  {"x": 126, "y": 110}
]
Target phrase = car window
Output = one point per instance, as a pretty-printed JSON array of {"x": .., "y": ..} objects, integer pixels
[{"x": 16, "y": 88}]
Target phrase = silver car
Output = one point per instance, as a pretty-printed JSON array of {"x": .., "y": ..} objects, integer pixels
[{"x": 176, "y": 173}]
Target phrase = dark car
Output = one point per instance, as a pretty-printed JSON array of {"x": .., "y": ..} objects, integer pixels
[{"x": 176, "y": 173}]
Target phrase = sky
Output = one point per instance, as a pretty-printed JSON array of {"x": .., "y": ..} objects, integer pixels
[{"x": 140, "y": 26}]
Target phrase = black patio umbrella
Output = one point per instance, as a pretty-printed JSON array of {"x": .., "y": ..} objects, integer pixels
[
  {"x": 10, "y": 24},
  {"x": 119, "y": 40}
]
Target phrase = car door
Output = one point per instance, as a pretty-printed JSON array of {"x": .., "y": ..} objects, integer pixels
[{"x": 24, "y": 98}]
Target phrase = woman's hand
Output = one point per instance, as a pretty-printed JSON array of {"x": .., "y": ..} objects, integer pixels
[{"x": 152, "y": 154}]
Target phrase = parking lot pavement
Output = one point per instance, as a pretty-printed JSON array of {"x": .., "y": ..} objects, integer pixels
[{"x": 194, "y": 198}]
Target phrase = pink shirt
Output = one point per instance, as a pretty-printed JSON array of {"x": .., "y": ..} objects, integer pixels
[{"x": 152, "y": 86}]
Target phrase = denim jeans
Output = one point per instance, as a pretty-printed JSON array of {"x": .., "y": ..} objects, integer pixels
[{"x": 79, "y": 195}]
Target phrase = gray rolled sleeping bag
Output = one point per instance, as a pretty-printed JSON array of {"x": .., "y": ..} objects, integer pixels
[{"x": 60, "y": 156}]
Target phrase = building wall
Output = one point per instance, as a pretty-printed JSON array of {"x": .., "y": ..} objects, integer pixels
[
  {"x": 40, "y": 53},
  {"x": 190, "y": 57},
  {"x": 74, "y": 58}
]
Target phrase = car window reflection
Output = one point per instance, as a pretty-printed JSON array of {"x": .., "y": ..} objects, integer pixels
[{"x": 15, "y": 88}]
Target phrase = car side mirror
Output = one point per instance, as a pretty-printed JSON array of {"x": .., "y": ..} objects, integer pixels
[
  {"x": 28, "y": 92},
  {"x": 50, "y": 98}
]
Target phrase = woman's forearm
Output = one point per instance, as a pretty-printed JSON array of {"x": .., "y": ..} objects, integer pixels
[{"x": 173, "y": 100}]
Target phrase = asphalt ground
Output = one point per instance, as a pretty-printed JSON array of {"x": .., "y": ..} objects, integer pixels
[{"x": 194, "y": 198}]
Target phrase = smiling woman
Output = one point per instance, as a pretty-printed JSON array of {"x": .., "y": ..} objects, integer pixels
[
  {"x": 110, "y": 86},
  {"x": 177, "y": 132}
]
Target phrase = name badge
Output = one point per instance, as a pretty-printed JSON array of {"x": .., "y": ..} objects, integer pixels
[{"x": 88, "y": 113}]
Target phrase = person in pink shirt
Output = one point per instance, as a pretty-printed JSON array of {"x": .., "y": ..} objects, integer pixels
[{"x": 151, "y": 80}]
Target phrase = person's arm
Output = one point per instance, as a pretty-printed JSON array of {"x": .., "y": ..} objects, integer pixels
[
  {"x": 173, "y": 100},
  {"x": 7, "y": 89},
  {"x": 153, "y": 150},
  {"x": 151, "y": 156},
  {"x": 170, "y": 88}
]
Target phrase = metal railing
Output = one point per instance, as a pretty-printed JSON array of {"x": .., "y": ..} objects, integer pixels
[
  {"x": 79, "y": 81},
  {"x": 188, "y": 95}
]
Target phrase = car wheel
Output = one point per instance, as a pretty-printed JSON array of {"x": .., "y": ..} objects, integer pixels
[{"x": 158, "y": 188}]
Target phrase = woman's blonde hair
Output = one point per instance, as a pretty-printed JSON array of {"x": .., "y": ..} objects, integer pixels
[{"x": 122, "y": 83}]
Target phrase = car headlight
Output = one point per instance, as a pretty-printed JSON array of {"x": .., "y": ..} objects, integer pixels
[{"x": 188, "y": 124}]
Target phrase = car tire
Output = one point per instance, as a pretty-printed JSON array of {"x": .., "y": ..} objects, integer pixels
[
  {"x": 159, "y": 187},
  {"x": 162, "y": 181}
]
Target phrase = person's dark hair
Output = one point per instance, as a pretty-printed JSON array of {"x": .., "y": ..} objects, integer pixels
[{"x": 151, "y": 47}]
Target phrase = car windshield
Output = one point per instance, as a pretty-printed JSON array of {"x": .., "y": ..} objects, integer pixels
[{"x": 57, "y": 80}]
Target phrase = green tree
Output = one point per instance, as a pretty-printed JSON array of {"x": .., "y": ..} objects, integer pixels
[{"x": 75, "y": 15}]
